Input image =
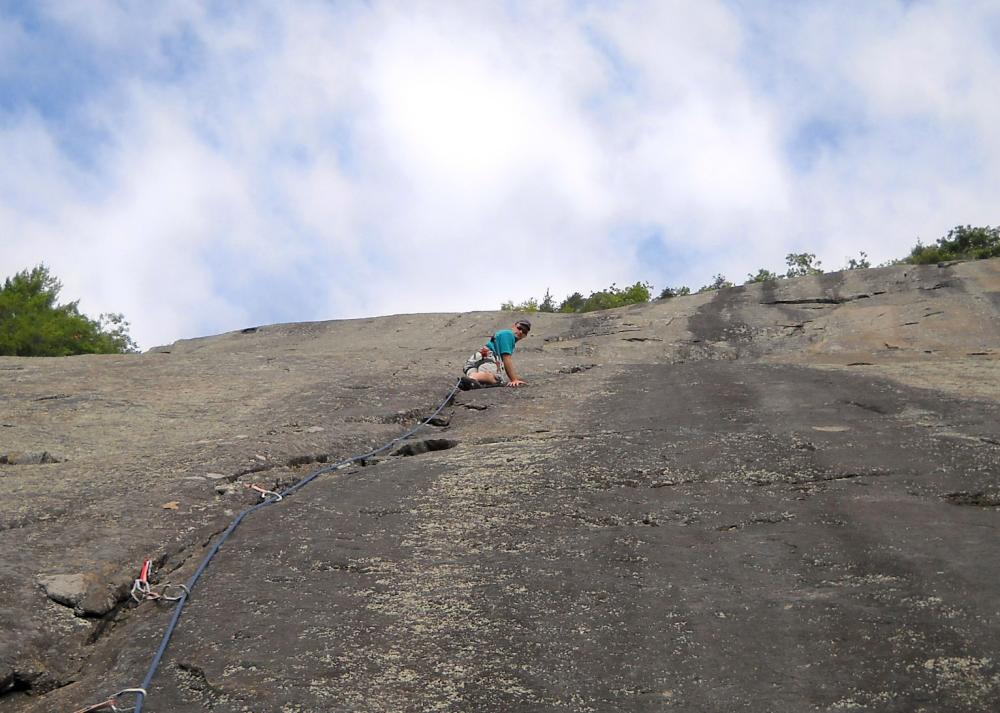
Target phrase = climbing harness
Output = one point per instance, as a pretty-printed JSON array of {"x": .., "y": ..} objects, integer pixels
[
  {"x": 142, "y": 590},
  {"x": 485, "y": 355}
]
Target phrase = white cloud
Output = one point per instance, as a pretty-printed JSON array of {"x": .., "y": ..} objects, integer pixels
[
  {"x": 930, "y": 60},
  {"x": 135, "y": 27},
  {"x": 12, "y": 41},
  {"x": 329, "y": 160}
]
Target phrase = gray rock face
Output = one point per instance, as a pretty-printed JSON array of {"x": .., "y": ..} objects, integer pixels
[
  {"x": 778, "y": 497},
  {"x": 91, "y": 594},
  {"x": 65, "y": 589}
]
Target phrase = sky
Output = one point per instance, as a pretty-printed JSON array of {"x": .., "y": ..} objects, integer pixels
[{"x": 207, "y": 166}]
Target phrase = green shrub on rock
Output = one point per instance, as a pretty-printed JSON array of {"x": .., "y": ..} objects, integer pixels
[
  {"x": 638, "y": 293},
  {"x": 961, "y": 243},
  {"x": 32, "y": 323},
  {"x": 718, "y": 282},
  {"x": 763, "y": 275},
  {"x": 802, "y": 264},
  {"x": 669, "y": 292}
]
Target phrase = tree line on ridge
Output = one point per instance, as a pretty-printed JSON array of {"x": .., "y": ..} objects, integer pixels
[
  {"x": 961, "y": 243},
  {"x": 33, "y": 323}
]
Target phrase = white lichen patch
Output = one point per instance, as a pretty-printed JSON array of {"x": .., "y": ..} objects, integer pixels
[
  {"x": 864, "y": 700},
  {"x": 972, "y": 680},
  {"x": 934, "y": 604},
  {"x": 866, "y": 580},
  {"x": 434, "y": 594}
]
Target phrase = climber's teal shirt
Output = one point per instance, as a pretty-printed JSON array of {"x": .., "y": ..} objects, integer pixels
[{"x": 502, "y": 342}]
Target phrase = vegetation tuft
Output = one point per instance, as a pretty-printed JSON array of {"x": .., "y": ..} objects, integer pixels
[
  {"x": 961, "y": 243},
  {"x": 32, "y": 323},
  {"x": 603, "y": 299}
]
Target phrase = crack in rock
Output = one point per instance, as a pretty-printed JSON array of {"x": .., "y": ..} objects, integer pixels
[
  {"x": 381, "y": 512},
  {"x": 399, "y": 417},
  {"x": 17, "y": 682},
  {"x": 193, "y": 678},
  {"x": 31, "y": 682},
  {"x": 425, "y": 446},
  {"x": 979, "y": 499},
  {"x": 297, "y": 461},
  {"x": 876, "y": 473},
  {"x": 28, "y": 458},
  {"x": 576, "y": 369},
  {"x": 762, "y": 519},
  {"x": 819, "y": 300},
  {"x": 867, "y": 407}
]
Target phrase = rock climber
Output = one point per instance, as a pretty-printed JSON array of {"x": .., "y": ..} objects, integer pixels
[{"x": 493, "y": 365}]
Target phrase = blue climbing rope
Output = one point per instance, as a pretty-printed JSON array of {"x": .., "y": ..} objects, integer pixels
[{"x": 142, "y": 692}]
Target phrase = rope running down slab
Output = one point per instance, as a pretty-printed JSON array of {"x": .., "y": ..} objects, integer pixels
[{"x": 141, "y": 691}]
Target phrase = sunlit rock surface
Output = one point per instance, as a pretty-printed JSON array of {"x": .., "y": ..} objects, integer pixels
[{"x": 779, "y": 497}]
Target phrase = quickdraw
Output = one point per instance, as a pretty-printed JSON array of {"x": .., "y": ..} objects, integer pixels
[
  {"x": 111, "y": 703},
  {"x": 142, "y": 590},
  {"x": 264, "y": 493}
]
